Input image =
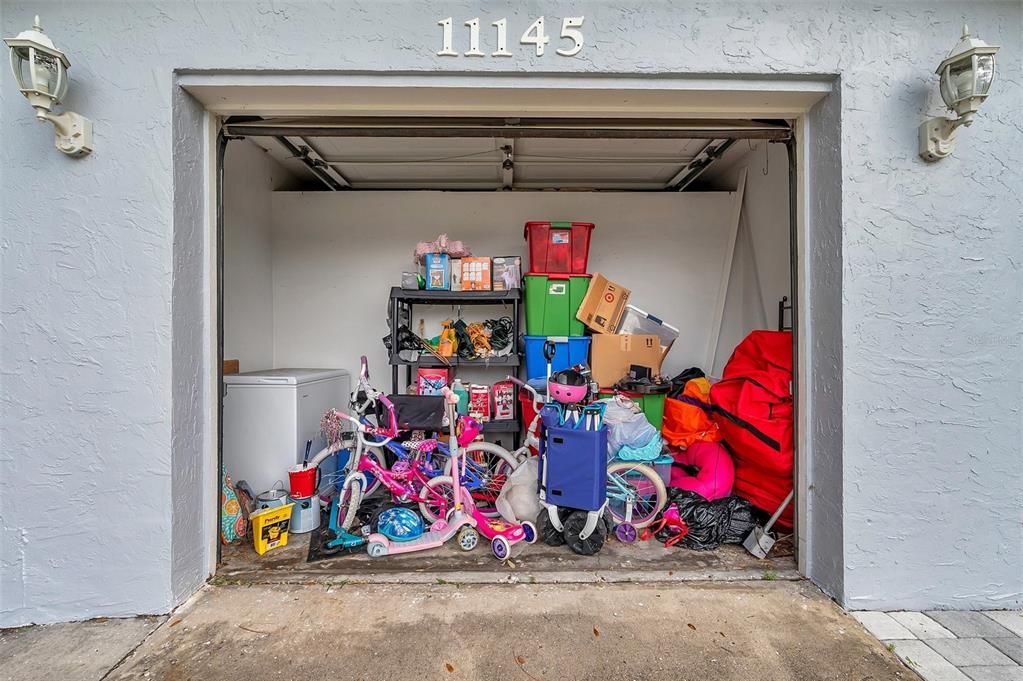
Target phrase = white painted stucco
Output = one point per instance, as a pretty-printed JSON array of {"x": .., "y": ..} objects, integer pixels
[
  {"x": 760, "y": 273},
  {"x": 102, "y": 432},
  {"x": 250, "y": 176},
  {"x": 336, "y": 255}
]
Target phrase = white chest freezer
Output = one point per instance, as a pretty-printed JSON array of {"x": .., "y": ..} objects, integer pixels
[{"x": 270, "y": 415}]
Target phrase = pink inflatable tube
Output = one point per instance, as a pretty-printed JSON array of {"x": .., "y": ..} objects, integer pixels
[{"x": 716, "y": 472}]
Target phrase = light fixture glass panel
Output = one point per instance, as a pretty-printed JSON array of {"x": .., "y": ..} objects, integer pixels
[
  {"x": 19, "y": 64},
  {"x": 947, "y": 92},
  {"x": 45, "y": 72},
  {"x": 62, "y": 83},
  {"x": 985, "y": 73},
  {"x": 961, "y": 80}
]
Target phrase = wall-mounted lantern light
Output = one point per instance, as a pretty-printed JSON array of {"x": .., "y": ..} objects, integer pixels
[
  {"x": 41, "y": 72},
  {"x": 966, "y": 76}
]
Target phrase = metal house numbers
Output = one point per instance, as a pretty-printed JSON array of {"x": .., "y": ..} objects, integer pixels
[{"x": 535, "y": 34}]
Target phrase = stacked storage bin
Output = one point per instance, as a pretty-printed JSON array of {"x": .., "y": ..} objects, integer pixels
[{"x": 554, "y": 287}]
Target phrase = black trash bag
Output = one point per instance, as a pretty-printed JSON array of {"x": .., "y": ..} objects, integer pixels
[
  {"x": 713, "y": 523},
  {"x": 574, "y": 524},
  {"x": 678, "y": 384}
]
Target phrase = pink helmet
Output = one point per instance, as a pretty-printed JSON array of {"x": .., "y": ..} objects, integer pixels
[
  {"x": 467, "y": 430},
  {"x": 568, "y": 386}
]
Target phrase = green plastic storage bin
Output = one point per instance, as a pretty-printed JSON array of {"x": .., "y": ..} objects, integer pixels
[
  {"x": 551, "y": 303},
  {"x": 651, "y": 405}
]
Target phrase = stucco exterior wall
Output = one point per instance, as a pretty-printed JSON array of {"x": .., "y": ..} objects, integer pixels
[{"x": 98, "y": 439}]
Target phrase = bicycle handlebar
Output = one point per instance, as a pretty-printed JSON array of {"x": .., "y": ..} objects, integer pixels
[
  {"x": 348, "y": 417},
  {"x": 537, "y": 399}
]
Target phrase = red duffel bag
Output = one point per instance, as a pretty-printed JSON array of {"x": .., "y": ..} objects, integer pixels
[{"x": 752, "y": 406}]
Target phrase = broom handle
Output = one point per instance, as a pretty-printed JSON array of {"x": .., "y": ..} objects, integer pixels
[{"x": 777, "y": 514}]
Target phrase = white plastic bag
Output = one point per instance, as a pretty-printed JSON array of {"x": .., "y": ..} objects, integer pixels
[
  {"x": 518, "y": 500},
  {"x": 626, "y": 425}
]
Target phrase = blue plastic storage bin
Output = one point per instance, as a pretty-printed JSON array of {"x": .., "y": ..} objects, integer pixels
[
  {"x": 569, "y": 351},
  {"x": 576, "y": 464}
]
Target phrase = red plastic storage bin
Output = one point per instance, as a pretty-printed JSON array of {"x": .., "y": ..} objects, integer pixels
[{"x": 558, "y": 247}]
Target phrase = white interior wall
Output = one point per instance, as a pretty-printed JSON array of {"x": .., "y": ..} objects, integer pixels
[
  {"x": 335, "y": 256},
  {"x": 760, "y": 273},
  {"x": 250, "y": 176}
]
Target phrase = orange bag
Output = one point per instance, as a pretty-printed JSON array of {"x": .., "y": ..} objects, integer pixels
[{"x": 685, "y": 419}]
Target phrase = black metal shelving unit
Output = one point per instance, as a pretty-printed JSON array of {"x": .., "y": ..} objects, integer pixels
[{"x": 402, "y": 301}]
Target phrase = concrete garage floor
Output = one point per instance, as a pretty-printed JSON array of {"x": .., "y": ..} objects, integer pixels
[
  {"x": 766, "y": 630},
  {"x": 645, "y": 561}
]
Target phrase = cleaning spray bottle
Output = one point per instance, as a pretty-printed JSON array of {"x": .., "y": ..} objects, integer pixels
[
  {"x": 448, "y": 345},
  {"x": 462, "y": 393}
]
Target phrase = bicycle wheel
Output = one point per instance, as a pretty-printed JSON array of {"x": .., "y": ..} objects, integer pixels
[
  {"x": 487, "y": 469},
  {"x": 635, "y": 493},
  {"x": 372, "y": 483},
  {"x": 438, "y": 497},
  {"x": 348, "y": 501}
]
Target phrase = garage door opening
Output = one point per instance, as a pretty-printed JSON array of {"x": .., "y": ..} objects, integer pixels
[{"x": 320, "y": 220}]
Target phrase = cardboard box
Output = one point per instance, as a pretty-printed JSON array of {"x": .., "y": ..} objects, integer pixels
[
  {"x": 438, "y": 272},
  {"x": 507, "y": 273},
  {"x": 603, "y": 305},
  {"x": 611, "y": 355},
  {"x": 475, "y": 274},
  {"x": 431, "y": 381},
  {"x": 504, "y": 401},
  {"x": 231, "y": 366},
  {"x": 456, "y": 274},
  {"x": 479, "y": 402}
]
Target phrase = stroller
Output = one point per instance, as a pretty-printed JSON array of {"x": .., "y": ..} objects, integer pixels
[{"x": 573, "y": 463}]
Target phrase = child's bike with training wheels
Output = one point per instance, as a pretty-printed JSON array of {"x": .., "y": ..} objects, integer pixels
[
  {"x": 501, "y": 533},
  {"x": 457, "y": 522},
  {"x": 411, "y": 479},
  {"x": 417, "y": 475}
]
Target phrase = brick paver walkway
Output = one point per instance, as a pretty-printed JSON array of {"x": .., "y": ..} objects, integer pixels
[{"x": 953, "y": 645}]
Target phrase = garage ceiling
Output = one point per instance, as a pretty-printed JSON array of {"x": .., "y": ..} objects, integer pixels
[
  {"x": 500, "y": 154},
  {"x": 493, "y": 163}
]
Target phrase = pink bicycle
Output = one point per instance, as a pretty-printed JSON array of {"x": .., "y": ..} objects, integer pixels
[
  {"x": 422, "y": 469},
  {"x": 501, "y": 533},
  {"x": 408, "y": 479}
]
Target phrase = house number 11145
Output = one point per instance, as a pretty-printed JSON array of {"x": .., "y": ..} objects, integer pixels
[{"x": 535, "y": 35}]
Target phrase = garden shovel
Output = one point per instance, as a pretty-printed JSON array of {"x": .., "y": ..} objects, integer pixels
[{"x": 759, "y": 541}]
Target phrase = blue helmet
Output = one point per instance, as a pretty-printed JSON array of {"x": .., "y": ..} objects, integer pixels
[{"x": 400, "y": 524}]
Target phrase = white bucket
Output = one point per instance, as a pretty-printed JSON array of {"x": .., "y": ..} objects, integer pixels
[{"x": 305, "y": 515}]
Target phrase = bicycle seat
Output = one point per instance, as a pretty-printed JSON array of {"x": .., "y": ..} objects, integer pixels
[{"x": 421, "y": 446}]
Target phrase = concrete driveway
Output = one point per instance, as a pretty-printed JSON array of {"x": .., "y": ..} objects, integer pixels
[{"x": 700, "y": 631}]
